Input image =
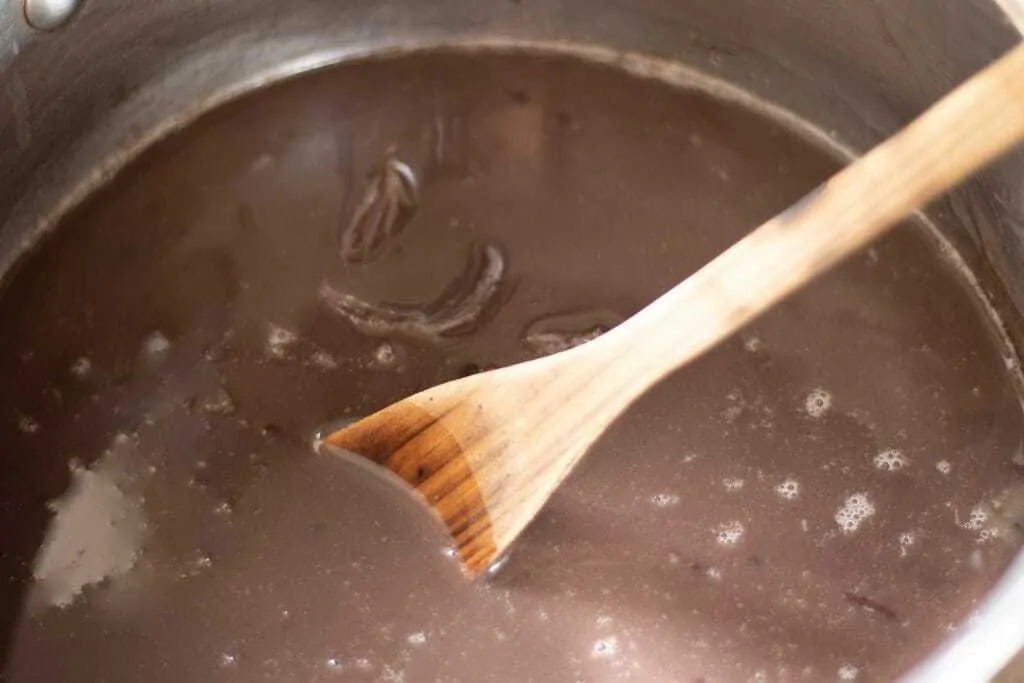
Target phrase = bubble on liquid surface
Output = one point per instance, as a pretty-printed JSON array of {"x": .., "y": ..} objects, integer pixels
[
  {"x": 976, "y": 519},
  {"x": 848, "y": 672},
  {"x": 605, "y": 648},
  {"x": 81, "y": 368},
  {"x": 219, "y": 403},
  {"x": 818, "y": 402},
  {"x": 228, "y": 659},
  {"x": 197, "y": 565},
  {"x": 729, "y": 533},
  {"x": 788, "y": 489},
  {"x": 323, "y": 359},
  {"x": 418, "y": 638},
  {"x": 906, "y": 540},
  {"x": 333, "y": 664},
  {"x": 384, "y": 355},
  {"x": 753, "y": 343},
  {"x": 987, "y": 534},
  {"x": 944, "y": 467},
  {"x": 26, "y": 424},
  {"x": 853, "y": 512},
  {"x": 664, "y": 500},
  {"x": 890, "y": 460},
  {"x": 732, "y": 485},
  {"x": 555, "y": 333},
  {"x": 156, "y": 345},
  {"x": 280, "y": 342}
]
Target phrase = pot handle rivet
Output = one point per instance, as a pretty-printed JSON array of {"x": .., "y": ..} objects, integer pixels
[{"x": 47, "y": 15}]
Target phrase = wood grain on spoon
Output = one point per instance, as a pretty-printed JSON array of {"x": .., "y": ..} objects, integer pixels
[{"x": 487, "y": 451}]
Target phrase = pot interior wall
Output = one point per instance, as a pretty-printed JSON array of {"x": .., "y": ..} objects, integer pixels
[{"x": 79, "y": 99}]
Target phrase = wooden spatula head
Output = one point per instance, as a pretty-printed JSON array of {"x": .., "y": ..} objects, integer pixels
[{"x": 478, "y": 451}]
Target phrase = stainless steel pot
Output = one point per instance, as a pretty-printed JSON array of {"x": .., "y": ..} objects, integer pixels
[{"x": 84, "y": 88}]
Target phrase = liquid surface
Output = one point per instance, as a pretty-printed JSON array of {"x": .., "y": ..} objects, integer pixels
[{"x": 822, "y": 498}]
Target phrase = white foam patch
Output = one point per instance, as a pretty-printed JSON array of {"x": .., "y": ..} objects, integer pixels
[
  {"x": 27, "y": 424},
  {"x": 890, "y": 460},
  {"x": 156, "y": 345},
  {"x": 664, "y": 500},
  {"x": 323, "y": 359},
  {"x": 219, "y": 402},
  {"x": 906, "y": 540},
  {"x": 848, "y": 672},
  {"x": 855, "y": 510},
  {"x": 96, "y": 534},
  {"x": 732, "y": 485},
  {"x": 987, "y": 534},
  {"x": 976, "y": 520},
  {"x": 818, "y": 402},
  {"x": 81, "y": 368},
  {"x": 417, "y": 639},
  {"x": 731, "y": 413},
  {"x": 753, "y": 344},
  {"x": 788, "y": 489},
  {"x": 944, "y": 467},
  {"x": 384, "y": 355},
  {"x": 280, "y": 341},
  {"x": 729, "y": 533}
]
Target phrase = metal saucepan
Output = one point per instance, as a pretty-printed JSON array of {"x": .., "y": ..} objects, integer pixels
[{"x": 86, "y": 85}]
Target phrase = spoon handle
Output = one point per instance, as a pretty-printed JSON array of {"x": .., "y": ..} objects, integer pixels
[{"x": 967, "y": 129}]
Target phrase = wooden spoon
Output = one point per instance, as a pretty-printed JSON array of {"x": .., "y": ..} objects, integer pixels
[{"x": 487, "y": 451}]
